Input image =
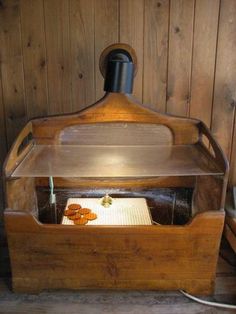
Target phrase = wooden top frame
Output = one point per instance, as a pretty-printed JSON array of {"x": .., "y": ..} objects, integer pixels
[{"x": 114, "y": 108}]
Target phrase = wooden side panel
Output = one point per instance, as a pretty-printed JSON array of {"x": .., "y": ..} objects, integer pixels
[
  {"x": 21, "y": 195},
  {"x": 155, "y": 53},
  {"x": 154, "y": 257},
  {"x": 35, "y": 63},
  {"x": 204, "y": 54},
  {"x": 12, "y": 68},
  {"x": 206, "y": 191},
  {"x": 131, "y": 32},
  {"x": 225, "y": 80},
  {"x": 106, "y": 33},
  {"x": 59, "y": 63},
  {"x": 180, "y": 55},
  {"x": 82, "y": 52}
]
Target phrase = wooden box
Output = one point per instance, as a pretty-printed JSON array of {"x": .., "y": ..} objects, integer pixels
[{"x": 115, "y": 143}]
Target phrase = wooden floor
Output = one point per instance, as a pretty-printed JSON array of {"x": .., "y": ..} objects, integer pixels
[{"x": 131, "y": 302}]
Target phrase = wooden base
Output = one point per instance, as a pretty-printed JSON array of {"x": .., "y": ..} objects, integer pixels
[
  {"x": 36, "y": 286},
  {"x": 95, "y": 257},
  {"x": 120, "y": 301}
]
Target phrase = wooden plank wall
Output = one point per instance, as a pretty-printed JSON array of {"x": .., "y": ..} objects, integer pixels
[{"x": 50, "y": 52}]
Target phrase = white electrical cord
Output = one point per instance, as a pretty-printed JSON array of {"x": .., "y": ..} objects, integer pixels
[
  {"x": 52, "y": 198},
  {"x": 216, "y": 304}
]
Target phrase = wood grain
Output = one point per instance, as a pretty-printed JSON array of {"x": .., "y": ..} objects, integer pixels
[
  {"x": 82, "y": 52},
  {"x": 132, "y": 32},
  {"x": 3, "y": 138},
  {"x": 122, "y": 134},
  {"x": 155, "y": 53},
  {"x": 138, "y": 302},
  {"x": 59, "y": 63},
  {"x": 115, "y": 107},
  {"x": 136, "y": 184},
  {"x": 118, "y": 258},
  {"x": 34, "y": 54},
  {"x": 70, "y": 35},
  {"x": 180, "y": 56},
  {"x": 22, "y": 201},
  {"x": 230, "y": 97},
  {"x": 78, "y": 37},
  {"x": 203, "y": 63},
  {"x": 225, "y": 80},
  {"x": 3, "y": 151},
  {"x": 135, "y": 257},
  {"x": 16, "y": 155},
  {"x": 12, "y": 69},
  {"x": 106, "y": 33}
]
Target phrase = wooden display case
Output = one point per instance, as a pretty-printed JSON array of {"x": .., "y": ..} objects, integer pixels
[{"x": 116, "y": 143}]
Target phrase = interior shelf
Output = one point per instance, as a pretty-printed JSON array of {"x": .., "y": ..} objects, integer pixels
[{"x": 89, "y": 161}]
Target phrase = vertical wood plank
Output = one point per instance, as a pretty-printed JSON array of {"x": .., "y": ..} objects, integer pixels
[
  {"x": 180, "y": 55},
  {"x": 155, "y": 53},
  {"x": 12, "y": 68},
  {"x": 3, "y": 140},
  {"x": 204, "y": 55},
  {"x": 58, "y": 55},
  {"x": 224, "y": 116},
  {"x": 106, "y": 33},
  {"x": 3, "y": 151},
  {"x": 225, "y": 77},
  {"x": 232, "y": 177},
  {"x": 131, "y": 32},
  {"x": 82, "y": 52},
  {"x": 33, "y": 40}
]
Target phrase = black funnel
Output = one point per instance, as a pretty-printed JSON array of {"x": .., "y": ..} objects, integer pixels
[{"x": 119, "y": 72}]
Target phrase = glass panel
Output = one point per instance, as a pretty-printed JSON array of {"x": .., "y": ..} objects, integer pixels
[
  {"x": 115, "y": 161},
  {"x": 116, "y": 134}
]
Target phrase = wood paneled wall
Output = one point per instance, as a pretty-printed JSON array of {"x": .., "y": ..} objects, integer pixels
[{"x": 49, "y": 54}]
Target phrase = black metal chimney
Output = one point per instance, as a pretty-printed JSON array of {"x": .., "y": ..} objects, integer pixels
[{"x": 119, "y": 72}]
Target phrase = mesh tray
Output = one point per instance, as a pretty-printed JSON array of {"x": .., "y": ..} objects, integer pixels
[{"x": 123, "y": 211}]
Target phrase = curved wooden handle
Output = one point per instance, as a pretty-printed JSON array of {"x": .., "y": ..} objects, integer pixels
[
  {"x": 219, "y": 157},
  {"x": 16, "y": 154}
]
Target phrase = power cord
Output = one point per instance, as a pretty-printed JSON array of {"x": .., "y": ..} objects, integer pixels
[
  {"x": 216, "y": 304},
  {"x": 52, "y": 198}
]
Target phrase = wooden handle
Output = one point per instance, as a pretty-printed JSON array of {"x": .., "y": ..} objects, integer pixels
[
  {"x": 219, "y": 155},
  {"x": 16, "y": 154}
]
